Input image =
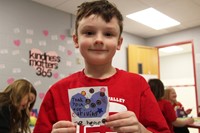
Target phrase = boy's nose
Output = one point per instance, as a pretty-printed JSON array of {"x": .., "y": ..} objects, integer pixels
[{"x": 99, "y": 39}]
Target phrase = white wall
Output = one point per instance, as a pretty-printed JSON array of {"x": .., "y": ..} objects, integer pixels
[
  {"x": 176, "y": 66},
  {"x": 185, "y": 35},
  {"x": 177, "y": 71},
  {"x": 25, "y": 20}
]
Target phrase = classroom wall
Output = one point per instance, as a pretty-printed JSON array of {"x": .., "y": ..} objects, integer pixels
[
  {"x": 25, "y": 26},
  {"x": 177, "y": 66},
  {"x": 177, "y": 71},
  {"x": 185, "y": 35},
  {"x": 28, "y": 29},
  {"x": 28, "y": 26}
]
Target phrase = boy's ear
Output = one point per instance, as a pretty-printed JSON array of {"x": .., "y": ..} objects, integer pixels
[
  {"x": 75, "y": 39},
  {"x": 119, "y": 43}
]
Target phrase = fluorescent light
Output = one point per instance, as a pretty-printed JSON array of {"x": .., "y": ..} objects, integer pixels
[
  {"x": 153, "y": 18},
  {"x": 171, "y": 49}
]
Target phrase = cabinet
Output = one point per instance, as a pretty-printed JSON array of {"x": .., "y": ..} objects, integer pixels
[{"x": 143, "y": 60}]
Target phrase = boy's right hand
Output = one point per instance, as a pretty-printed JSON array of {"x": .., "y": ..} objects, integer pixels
[{"x": 64, "y": 127}]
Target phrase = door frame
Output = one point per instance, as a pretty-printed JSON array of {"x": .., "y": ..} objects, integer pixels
[{"x": 193, "y": 61}]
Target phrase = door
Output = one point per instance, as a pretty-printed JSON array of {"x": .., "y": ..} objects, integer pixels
[{"x": 143, "y": 60}]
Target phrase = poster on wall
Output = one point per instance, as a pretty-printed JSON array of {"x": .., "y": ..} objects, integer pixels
[{"x": 43, "y": 62}]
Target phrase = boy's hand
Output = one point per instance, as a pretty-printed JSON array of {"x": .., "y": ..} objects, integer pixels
[
  {"x": 125, "y": 122},
  {"x": 64, "y": 127}
]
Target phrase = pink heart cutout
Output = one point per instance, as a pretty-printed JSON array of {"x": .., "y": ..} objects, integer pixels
[
  {"x": 17, "y": 42},
  {"x": 48, "y": 54},
  {"x": 62, "y": 37},
  {"x": 55, "y": 75},
  {"x": 41, "y": 95},
  {"x": 10, "y": 80},
  {"x": 45, "y": 32},
  {"x": 69, "y": 52}
]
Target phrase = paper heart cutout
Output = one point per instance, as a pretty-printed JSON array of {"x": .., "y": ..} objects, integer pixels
[
  {"x": 51, "y": 63},
  {"x": 17, "y": 42},
  {"x": 69, "y": 52},
  {"x": 62, "y": 37},
  {"x": 89, "y": 107},
  {"x": 55, "y": 75},
  {"x": 41, "y": 95},
  {"x": 10, "y": 80},
  {"x": 45, "y": 32}
]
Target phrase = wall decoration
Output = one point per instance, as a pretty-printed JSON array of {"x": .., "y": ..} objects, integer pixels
[
  {"x": 54, "y": 37},
  {"x": 62, "y": 37},
  {"x": 45, "y": 32},
  {"x": 44, "y": 63},
  {"x": 40, "y": 30},
  {"x": 17, "y": 42},
  {"x": 41, "y": 95},
  {"x": 2, "y": 66},
  {"x": 10, "y": 80}
]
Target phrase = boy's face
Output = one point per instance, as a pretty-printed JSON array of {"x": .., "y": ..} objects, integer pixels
[{"x": 98, "y": 40}]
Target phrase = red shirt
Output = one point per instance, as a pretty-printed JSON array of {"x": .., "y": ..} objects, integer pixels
[
  {"x": 168, "y": 112},
  {"x": 127, "y": 91}
]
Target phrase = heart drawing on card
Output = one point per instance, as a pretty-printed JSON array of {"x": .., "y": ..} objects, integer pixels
[{"x": 85, "y": 107}]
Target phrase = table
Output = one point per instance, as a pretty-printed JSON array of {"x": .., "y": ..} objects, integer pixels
[{"x": 196, "y": 123}]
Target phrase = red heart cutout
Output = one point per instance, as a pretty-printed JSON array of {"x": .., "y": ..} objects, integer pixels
[
  {"x": 62, "y": 37},
  {"x": 17, "y": 42},
  {"x": 45, "y": 32}
]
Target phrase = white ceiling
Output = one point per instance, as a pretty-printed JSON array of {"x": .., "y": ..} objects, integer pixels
[{"x": 185, "y": 11}]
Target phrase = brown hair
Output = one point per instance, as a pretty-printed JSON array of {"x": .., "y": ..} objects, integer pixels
[
  {"x": 157, "y": 88},
  {"x": 11, "y": 97},
  {"x": 100, "y": 8},
  {"x": 167, "y": 93},
  {"x": 33, "y": 90}
]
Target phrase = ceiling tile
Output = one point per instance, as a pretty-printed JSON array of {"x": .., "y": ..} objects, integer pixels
[{"x": 185, "y": 11}]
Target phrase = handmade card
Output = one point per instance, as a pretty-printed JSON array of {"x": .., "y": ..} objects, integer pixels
[{"x": 89, "y": 105}]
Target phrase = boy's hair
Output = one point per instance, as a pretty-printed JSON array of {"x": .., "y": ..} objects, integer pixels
[
  {"x": 101, "y": 8},
  {"x": 157, "y": 88}
]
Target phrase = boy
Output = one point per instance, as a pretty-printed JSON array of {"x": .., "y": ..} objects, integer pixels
[{"x": 98, "y": 35}]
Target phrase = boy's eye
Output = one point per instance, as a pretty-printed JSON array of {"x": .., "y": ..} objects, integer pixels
[
  {"x": 108, "y": 34},
  {"x": 89, "y": 33}
]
